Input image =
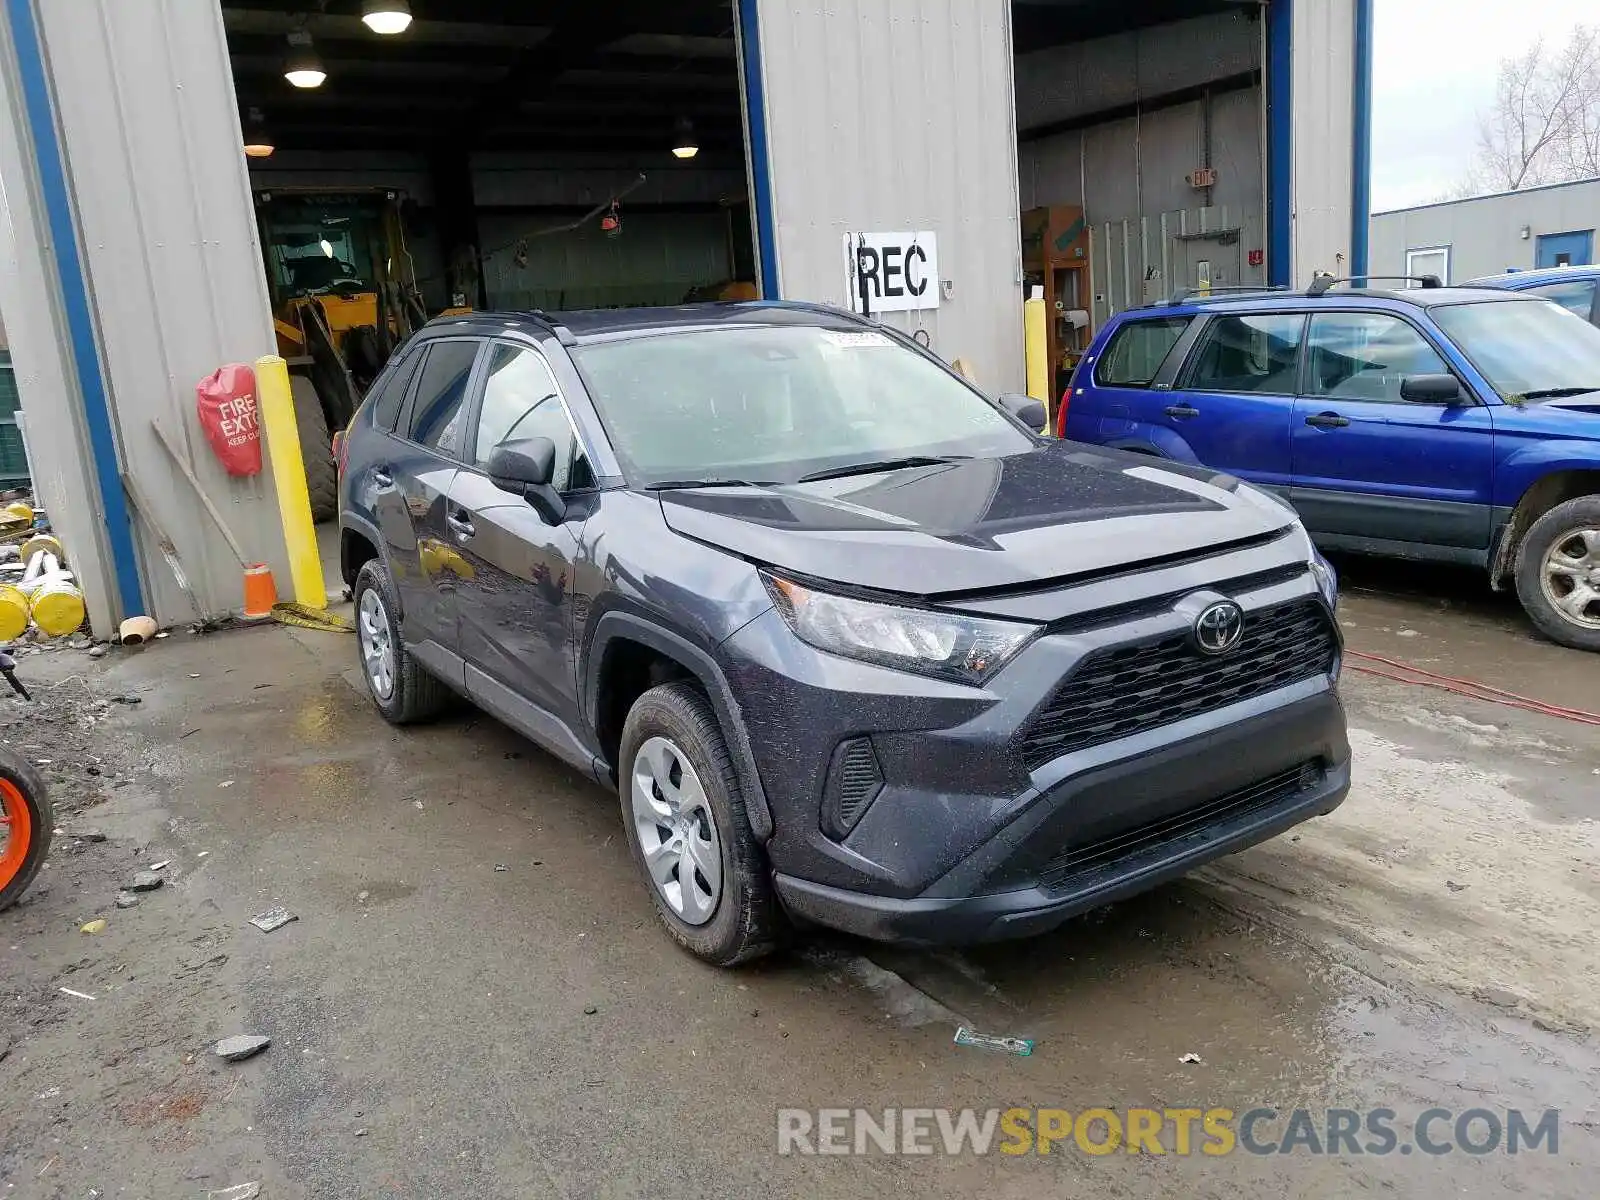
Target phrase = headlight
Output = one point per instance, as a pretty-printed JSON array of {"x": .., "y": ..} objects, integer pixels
[
  {"x": 1327, "y": 579},
  {"x": 949, "y": 645}
]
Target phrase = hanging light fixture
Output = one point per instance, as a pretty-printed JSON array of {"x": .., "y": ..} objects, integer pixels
[
  {"x": 257, "y": 141},
  {"x": 684, "y": 144},
  {"x": 386, "y": 17},
  {"x": 303, "y": 68}
]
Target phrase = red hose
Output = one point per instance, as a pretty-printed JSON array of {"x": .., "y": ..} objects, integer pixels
[{"x": 1470, "y": 688}]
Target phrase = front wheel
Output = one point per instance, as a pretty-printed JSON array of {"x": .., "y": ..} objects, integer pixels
[
  {"x": 685, "y": 819},
  {"x": 1558, "y": 573},
  {"x": 26, "y": 823}
]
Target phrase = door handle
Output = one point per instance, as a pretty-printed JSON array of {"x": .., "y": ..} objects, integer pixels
[
  {"x": 1181, "y": 412},
  {"x": 460, "y": 524},
  {"x": 381, "y": 477},
  {"x": 1327, "y": 420}
]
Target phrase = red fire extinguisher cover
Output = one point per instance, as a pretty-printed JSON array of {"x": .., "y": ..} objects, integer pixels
[{"x": 226, "y": 403}]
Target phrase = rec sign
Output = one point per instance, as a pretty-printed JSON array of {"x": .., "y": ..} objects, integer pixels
[{"x": 891, "y": 272}]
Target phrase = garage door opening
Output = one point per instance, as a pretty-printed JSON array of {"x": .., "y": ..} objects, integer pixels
[{"x": 1142, "y": 155}]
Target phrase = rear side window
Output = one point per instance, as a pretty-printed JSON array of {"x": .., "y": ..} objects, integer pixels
[
  {"x": 1255, "y": 353},
  {"x": 439, "y": 408},
  {"x": 1137, "y": 351},
  {"x": 391, "y": 392},
  {"x": 1574, "y": 295}
]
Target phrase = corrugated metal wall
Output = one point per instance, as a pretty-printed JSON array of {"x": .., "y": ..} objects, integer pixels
[
  {"x": 151, "y": 140},
  {"x": 1324, "y": 131},
  {"x": 898, "y": 115},
  {"x": 1485, "y": 234}
]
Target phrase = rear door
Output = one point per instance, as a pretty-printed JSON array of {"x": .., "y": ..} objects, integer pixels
[
  {"x": 1235, "y": 400},
  {"x": 1114, "y": 397},
  {"x": 1368, "y": 464},
  {"x": 513, "y": 571},
  {"x": 428, "y": 446}
]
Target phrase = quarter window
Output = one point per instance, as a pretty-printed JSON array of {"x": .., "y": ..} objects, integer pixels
[
  {"x": 520, "y": 400},
  {"x": 438, "y": 409},
  {"x": 1258, "y": 353},
  {"x": 1137, "y": 351},
  {"x": 1366, "y": 356}
]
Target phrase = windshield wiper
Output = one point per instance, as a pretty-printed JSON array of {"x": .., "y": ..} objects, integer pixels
[
  {"x": 887, "y": 464},
  {"x": 1560, "y": 393},
  {"x": 679, "y": 485}
]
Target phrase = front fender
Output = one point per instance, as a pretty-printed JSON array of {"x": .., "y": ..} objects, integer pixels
[{"x": 1524, "y": 467}]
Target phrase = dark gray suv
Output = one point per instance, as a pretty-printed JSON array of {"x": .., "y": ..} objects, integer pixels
[{"x": 853, "y": 644}]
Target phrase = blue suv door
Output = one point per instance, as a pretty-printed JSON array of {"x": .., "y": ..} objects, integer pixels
[
  {"x": 1235, "y": 401},
  {"x": 1369, "y": 464}
]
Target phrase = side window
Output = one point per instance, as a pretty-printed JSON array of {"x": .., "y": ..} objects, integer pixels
[
  {"x": 440, "y": 403},
  {"x": 391, "y": 391},
  {"x": 1574, "y": 295},
  {"x": 521, "y": 400},
  {"x": 1366, "y": 356},
  {"x": 1137, "y": 351},
  {"x": 1249, "y": 354}
]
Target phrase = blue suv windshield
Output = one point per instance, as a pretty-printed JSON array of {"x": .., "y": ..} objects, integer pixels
[{"x": 1527, "y": 352}]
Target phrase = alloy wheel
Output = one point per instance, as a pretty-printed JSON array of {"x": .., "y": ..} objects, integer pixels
[
  {"x": 677, "y": 831},
  {"x": 1571, "y": 577},
  {"x": 377, "y": 644}
]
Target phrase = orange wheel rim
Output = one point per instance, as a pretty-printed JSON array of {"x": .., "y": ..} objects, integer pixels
[{"x": 16, "y": 831}]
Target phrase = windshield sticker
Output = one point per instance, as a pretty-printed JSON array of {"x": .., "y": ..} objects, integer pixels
[{"x": 855, "y": 341}]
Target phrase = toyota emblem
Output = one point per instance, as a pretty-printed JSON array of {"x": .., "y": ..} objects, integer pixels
[{"x": 1219, "y": 627}]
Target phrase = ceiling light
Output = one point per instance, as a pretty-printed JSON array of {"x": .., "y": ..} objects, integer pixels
[
  {"x": 684, "y": 144},
  {"x": 386, "y": 16},
  {"x": 303, "y": 68},
  {"x": 257, "y": 141},
  {"x": 327, "y": 247}
]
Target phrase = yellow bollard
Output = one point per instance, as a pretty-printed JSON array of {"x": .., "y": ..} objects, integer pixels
[
  {"x": 289, "y": 476},
  {"x": 1035, "y": 335}
]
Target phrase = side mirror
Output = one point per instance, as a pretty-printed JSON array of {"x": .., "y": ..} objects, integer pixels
[
  {"x": 1431, "y": 389},
  {"x": 524, "y": 468},
  {"x": 1026, "y": 409}
]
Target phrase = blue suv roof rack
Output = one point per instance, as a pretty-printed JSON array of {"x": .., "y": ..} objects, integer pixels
[
  {"x": 1229, "y": 290},
  {"x": 1323, "y": 283}
]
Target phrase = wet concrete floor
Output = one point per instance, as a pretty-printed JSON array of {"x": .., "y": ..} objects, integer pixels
[{"x": 1430, "y": 945}]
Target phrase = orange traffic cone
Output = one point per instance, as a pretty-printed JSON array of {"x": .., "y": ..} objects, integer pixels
[{"x": 260, "y": 593}]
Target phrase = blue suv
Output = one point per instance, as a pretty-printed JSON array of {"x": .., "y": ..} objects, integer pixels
[
  {"x": 1444, "y": 424},
  {"x": 1576, "y": 289}
]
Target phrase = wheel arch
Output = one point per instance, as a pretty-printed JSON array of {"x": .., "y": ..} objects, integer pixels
[
  {"x": 1547, "y": 491},
  {"x": 359, "y": 544},
  {"x": 628, "y": 654}
]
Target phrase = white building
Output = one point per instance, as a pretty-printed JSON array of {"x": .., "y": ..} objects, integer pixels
[{"x": 1225, "y": 132}]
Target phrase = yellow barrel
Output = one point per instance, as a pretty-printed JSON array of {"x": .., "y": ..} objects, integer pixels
[
  {"x": 13, "y": 612},
  {"x": 45, "y": 542},
  {"x": 58, "y": 608}
]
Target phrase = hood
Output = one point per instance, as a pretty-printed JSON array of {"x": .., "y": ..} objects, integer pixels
[{"x": 1058, "y": 512}]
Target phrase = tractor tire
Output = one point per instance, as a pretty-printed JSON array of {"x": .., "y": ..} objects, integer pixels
[{"x": 316, "y": 449}]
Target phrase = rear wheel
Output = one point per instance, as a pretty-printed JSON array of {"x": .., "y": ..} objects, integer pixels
[
  {"x": 685, "y": 819},
  {"x": 316, "y": 449},
  {"x": 403, "y": 691},
  {"x": 26, "y": 823},
  {"x": 1558, "y": 573}
]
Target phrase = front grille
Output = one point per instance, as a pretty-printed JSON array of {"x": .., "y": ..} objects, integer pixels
[
  {"x": 1124, "y": 690},
  {"x": 1078, "y": 864}
]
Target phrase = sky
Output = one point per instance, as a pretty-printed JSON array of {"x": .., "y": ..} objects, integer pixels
[{"x": 1433, "y": 70}]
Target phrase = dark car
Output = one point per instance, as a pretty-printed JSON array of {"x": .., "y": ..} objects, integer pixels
[
  {"x": 853, "y": 644},
  {"x": 1455, "y": 425}
]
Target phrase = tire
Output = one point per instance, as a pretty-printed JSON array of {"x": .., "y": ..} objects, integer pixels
[
  {"x": 743, "y": 921},
  {"x": 413, "y": 695},
  {"x": 25, "y": 838},
  {"x": 1544, "y": 580},
  {"x": 316, "y": 449}
]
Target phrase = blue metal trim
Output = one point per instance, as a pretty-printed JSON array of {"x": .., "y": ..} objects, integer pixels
[
  {"x": 1280, "y": 142},
  {"x": 764, "y": 218},
  {"x": 75, "y": 303},
  {"x": 1361, "y": 193}
]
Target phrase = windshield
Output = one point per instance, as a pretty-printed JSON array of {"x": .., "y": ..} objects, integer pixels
[
  {"x": 773, "y": 403},
  {"x": 1527, "y": 351}
]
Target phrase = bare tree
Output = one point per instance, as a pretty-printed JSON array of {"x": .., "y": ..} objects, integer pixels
[{"x": 1543, "y": 125}]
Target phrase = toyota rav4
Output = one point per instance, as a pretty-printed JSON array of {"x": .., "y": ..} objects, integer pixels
[{"x": 853, "y": 645}]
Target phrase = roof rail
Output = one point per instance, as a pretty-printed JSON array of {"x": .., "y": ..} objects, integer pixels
[
  {"x": 1184, "y": 294},
  {"x": 563, "y": 335},
  {"x": 1323, "y": 283}
]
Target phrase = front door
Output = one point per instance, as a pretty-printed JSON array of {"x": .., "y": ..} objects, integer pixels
[
  {"x": 1369, "y": 464},
  {"x": 412, "y": 509},
  {"x": 1234, "y": 402},
  {"x": 514, "y": 570}
]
